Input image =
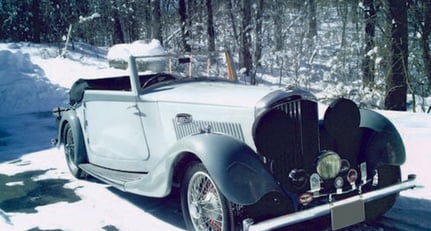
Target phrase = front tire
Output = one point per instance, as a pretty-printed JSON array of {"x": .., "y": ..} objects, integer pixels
[
  {"x": 74, "y": 150},
  {"x": 204, "y": 206}
]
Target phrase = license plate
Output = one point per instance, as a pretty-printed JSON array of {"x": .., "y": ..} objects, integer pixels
[{"x": 347, "y": 214}]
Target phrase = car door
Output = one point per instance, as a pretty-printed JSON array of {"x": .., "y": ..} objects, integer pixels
[{"x": 115, "y": 136}]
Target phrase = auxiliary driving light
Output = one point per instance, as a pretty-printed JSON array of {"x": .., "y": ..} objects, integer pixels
[
  {"x": 352, "y": 176},
  {"x": 338, "y": 182},
  {"x": 328, "y": 165}
]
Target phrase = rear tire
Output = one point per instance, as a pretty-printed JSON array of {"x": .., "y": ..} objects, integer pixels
[
  {"x": 74, "y": 150},
  {"x": 204, "y": 206}
]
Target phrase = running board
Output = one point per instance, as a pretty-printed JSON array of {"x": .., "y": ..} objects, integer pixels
[{"x": 113, "y": 177}]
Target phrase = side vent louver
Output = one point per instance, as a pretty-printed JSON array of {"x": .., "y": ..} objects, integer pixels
[{"x": 194, "y": 127}]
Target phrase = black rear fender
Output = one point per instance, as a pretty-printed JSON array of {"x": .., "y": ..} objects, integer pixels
[{"x": 69, "y": 117}]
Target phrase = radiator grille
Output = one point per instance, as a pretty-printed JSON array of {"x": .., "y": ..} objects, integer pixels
[
  {"x": 288, "y": 135},
  {"x": 194, "y": 127},
  {"x": 303, "y": 115},
  {"x": 294, "y": 133}
]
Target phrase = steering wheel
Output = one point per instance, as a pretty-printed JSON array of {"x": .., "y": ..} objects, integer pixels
[{"x": 160, "y": 77}]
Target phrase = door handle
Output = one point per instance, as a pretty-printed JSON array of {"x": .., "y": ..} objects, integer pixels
[{"x": 133, "y": 106}]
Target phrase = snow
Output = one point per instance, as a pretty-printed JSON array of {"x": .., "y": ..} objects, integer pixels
[
  {"x": 14, "y": 183},
  {"x": 98, "y": 207},
  {"x": 33, "y": 79},
  {"x": 138, "y": 48},
  {"x": 24, "y": 87},
  {"x": 83, "y": 19}
]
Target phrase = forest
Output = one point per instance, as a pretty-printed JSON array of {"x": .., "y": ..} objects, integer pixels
[{"x": 382, "y": 47}]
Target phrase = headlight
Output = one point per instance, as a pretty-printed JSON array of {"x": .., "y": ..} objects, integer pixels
[{"x": 328, "y": 165}]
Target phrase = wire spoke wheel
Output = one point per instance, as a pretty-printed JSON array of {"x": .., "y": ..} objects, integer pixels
[
  {"x": 69, "y": 150},
  {"x": 204, "y": 206},
  {"x": 204, "y": 203},
  {"x": 74, "y": 151}
]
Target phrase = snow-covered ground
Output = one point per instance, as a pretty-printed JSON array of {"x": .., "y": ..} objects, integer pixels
[{"x": 33, "y": 79}]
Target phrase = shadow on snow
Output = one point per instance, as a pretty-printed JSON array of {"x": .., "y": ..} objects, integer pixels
[{"x": 25, "y": 133}]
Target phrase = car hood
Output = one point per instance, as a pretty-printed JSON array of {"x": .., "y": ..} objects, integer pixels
[{"x": 209, "y": 92}]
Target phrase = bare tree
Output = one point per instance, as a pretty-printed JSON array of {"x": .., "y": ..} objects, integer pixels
[
  {"x": 246, "y": 59},
  {"x": 231, "y": 10},
  {"x": 425, "y": 38},
  {"x": 370, "y": 30},
  {"x": 396, "y": 83},
  {"x": 184, "y": 28},
  {"x": 118, "y": 35},
  {"x": 210, "y": 26},
  {"x": 312, "y": 20},
  {"x": 258, "y": 33},
  {"x": 156, "y": 20},
  {"x": 278, "y": 25}
]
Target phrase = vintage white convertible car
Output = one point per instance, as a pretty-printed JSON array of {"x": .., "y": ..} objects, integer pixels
[{"x": 243, "y": 157}]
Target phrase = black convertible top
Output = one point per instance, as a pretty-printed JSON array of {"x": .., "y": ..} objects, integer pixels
[
  {"x": 121, "y": 83},
  {"x": 76, "y": 93}
]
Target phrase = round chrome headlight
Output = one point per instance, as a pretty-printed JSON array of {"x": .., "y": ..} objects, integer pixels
[{"x": 328, "y": 165}]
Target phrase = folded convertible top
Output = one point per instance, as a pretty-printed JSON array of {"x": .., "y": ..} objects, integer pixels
[{"x": 76, "y": 93}]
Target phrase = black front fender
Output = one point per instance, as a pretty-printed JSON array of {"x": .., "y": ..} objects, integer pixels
[
  {"x": 381, "y": 142},
  {"x": 235, "y": 167}
]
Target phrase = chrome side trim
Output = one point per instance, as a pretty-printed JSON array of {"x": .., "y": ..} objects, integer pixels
[{"x": 325, "y": 209}]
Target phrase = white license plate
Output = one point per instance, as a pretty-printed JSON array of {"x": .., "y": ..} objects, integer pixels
[{"x": 347, "y": 214}]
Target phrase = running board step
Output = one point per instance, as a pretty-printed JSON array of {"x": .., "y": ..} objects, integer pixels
[{"x": 113, "y": 177}]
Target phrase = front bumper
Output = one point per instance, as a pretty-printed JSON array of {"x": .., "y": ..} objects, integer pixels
[{"x": 354, "y": 202}]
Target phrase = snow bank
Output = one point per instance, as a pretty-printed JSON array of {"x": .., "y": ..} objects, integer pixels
[
  {"x": 24, "y": 87},
  {"x": 118, "y": 55}
]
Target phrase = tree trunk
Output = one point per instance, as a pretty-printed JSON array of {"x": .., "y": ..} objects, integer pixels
[
  {"x": 118, "y": 35},
  {"x": 210, "y": 26},
  {"x": 426, "y": 31},
  {"x": 246, "y": 59},
  {"x": 36, "y": 21},
  {"x": 312, "y": 20},
  {"x": 156, "y": 20},
  {"x": 148, "y": 20},
  {"x": 370, "y": 28},
  {"x": 183, "y": 21},
  {"x": 132, "y": 21},
  {"x": 278, "y": 26},
  {"x": 258, "y": 33},
  {"x": 396, "y": 84},
  {"x": 233, "y": 21}
]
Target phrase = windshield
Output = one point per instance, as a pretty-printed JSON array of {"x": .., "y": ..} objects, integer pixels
[{"x": 212, "y": 65}]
